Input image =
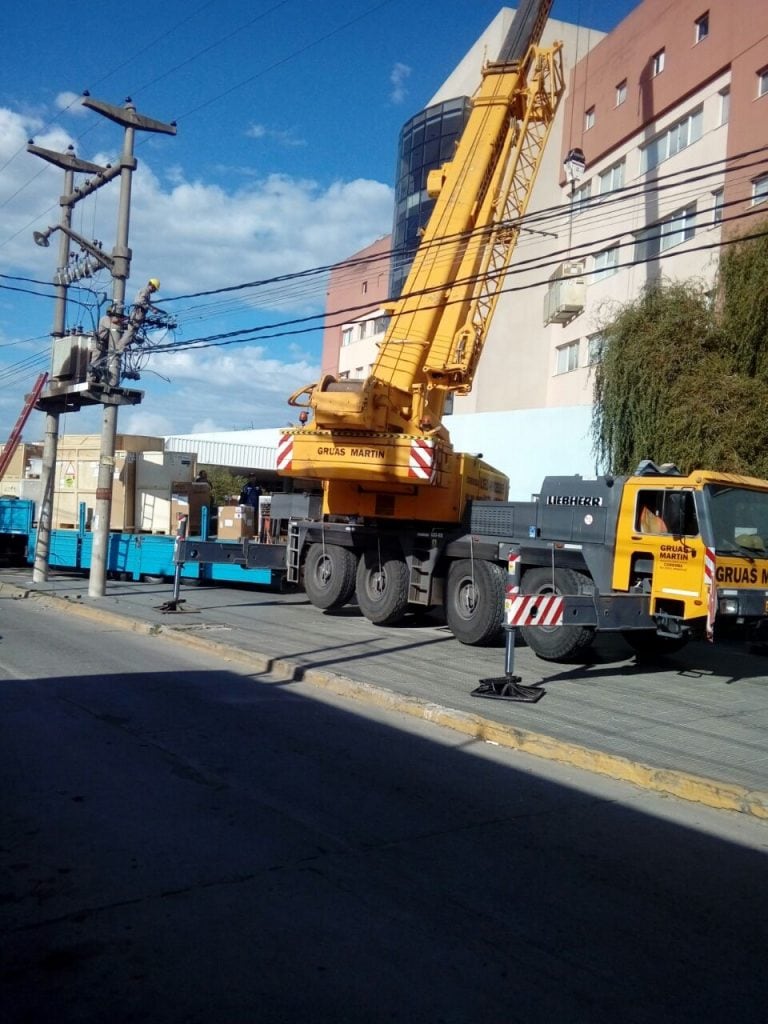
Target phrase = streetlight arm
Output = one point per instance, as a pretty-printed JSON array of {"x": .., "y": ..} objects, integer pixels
[{"x": 41, "y": 239}]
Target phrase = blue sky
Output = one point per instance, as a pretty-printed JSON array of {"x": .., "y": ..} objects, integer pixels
[{"x": 288, "y": 114}]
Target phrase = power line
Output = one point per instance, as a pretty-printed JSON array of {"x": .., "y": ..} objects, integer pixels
[
  {"x": 285, "y": 60},
  {"x": 108, "y": 74},
  {"x": 213, "y": 99},
  {"x": 616, "y": 200},
  {"x": 211, "y": 46},
  {"x": 257, "y": 333}
]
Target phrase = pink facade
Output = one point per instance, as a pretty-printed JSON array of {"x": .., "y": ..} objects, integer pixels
[
  {"x": 736, "y": 40},
  {"x": 356, "y": 287}
]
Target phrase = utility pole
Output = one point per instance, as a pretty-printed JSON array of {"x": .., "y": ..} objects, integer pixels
[
  {"x": 70, "y": 164},
  {"x": 131, "y": 122},
  {"x": 109, "y": 394}
]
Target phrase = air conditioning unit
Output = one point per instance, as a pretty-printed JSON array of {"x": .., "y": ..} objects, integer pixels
[{"x": 566, "y": 294}]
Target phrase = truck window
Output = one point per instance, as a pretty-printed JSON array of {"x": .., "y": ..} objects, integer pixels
[
  {"x": 672, "y": 512},
  {"x": 738, "y": 515}
]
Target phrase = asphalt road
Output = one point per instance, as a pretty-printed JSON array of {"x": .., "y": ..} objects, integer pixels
[
  {"x": 187, "y": 842},
  {"x": 702, "y": 714}
]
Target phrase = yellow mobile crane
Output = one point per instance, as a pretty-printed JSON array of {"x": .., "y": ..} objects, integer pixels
[
  {"x": 379, "y": 445},
  {"x": 406, "y": 522}
]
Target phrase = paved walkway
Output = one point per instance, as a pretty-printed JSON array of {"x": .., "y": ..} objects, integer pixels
[{"x": 695, "y": 727}]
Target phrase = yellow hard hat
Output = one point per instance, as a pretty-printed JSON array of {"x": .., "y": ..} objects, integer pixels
[{"x": 155, "y": 283}]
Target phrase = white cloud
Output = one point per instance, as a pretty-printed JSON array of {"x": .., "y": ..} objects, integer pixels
[
  {"x": 282, "y": 136},
  {"x": 398, "y": 76},
  {"x": 71, "y": 103},
  {"x": 275, "y": 225},
  {"x": 194, "y": 236}
]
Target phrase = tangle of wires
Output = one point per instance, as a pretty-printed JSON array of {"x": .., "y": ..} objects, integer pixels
[{"x": 155, "y": 330}]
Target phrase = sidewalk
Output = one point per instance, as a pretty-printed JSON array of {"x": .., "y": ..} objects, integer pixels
[{"x": 695, "y": 727}]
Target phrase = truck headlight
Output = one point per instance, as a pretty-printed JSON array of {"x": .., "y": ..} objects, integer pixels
[{"x": 728, "y": 606}]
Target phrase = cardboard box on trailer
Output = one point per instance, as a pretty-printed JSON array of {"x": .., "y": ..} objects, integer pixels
[
  {"x": 189, "y": 499},
  {"x": 236, "y": 522}
]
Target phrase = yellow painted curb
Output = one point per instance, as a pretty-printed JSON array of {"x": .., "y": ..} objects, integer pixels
[{"x": 685, "y": 786}]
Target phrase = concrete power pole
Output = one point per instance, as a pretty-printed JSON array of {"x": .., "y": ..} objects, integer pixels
[
  {"x": 131, "y": 122},
  {"x": 108, "y": 394},
  {"x": 70, "y": 164}
]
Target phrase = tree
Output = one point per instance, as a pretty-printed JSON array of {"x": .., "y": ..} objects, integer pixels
[
  {"x": 682, "y": 379},
  {"x": 743, "y": 279},
  {"x": 224, "y": 484}
]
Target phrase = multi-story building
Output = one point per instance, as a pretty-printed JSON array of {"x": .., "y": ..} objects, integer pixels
[
  {"x": 356, "y": 288},
  {"x": 670, "y": 110}
]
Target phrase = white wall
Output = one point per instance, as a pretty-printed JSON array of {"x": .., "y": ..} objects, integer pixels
[{"x": 528, "y": 444}]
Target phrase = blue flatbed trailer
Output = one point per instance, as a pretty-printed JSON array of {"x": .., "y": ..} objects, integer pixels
[{"x": 138, "y": 555}]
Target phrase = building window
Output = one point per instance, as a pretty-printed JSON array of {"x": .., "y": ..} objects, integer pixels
[
  {"x": 567, "y": 357},
  {"x": 717, "y": 206},
  {"x": 611, "y": 179},
  {"x": 346, "y": 335},
  {"x": 621, "y": 93},
  {"x": 681, "y": 135},
  {"x": 606, "y": 263},
  {"x": 657, "y": 63},
  {"x": 665, "y": 234},
  {"x": 595, "y": 345},
  {"x": 579, "y": 199},
  {"x": 380, "y": 324},
  {"x": 725, "y": 105},
  {"x": 364, "y": 287},
  {"x": 760, "y": 189},
  {"x": 589, "y": 119},
  {"x": 701, "y": 27},
  {"x": 762, "y": 82}
]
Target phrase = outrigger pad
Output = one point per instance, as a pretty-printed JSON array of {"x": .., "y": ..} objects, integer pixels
[{"x": 508, "y": 688}]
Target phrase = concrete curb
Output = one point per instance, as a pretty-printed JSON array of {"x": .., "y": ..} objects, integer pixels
[{"x": 697, "y": 789}]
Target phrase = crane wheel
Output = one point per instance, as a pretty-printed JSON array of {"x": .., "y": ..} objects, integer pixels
[
  {"x": 555, "y": 643},
  {"x": 474, "y": 601},
  {"x": 329, "y": 575},
  {"x": 382, "y": 586}
]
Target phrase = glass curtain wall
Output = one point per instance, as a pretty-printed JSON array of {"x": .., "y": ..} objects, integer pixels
[{"x": 426, "y": 142}]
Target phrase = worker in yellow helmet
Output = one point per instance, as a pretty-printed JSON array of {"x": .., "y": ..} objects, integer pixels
[{"x": 142, "y": 303}]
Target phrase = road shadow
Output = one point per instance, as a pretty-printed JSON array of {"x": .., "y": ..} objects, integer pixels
[{"x": 200, "y": 847}]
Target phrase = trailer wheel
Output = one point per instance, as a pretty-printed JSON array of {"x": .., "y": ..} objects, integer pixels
[
  {"x": 649, "y": 646},
  {"x": 329, "y": 575},
  {"x": 382, "y": 586},
  {"x": 474, "y": 601},
  {"x": 555, "y": 643}
]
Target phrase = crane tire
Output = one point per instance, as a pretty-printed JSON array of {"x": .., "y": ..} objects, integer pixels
[
  {"x": 555, "y": 643},
  {"x": 329, "y": 575},
  {"x": 382, "y": 586},
  {"x": 474, "y": 601}
]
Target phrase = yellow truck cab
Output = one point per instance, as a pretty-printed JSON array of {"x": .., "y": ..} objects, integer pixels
[
  {"x": 659, "y": 556},
  {"x": 671, "y": 526}
]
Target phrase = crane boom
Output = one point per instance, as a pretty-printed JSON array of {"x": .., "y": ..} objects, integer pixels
[{"x": 384, "y": 435}]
